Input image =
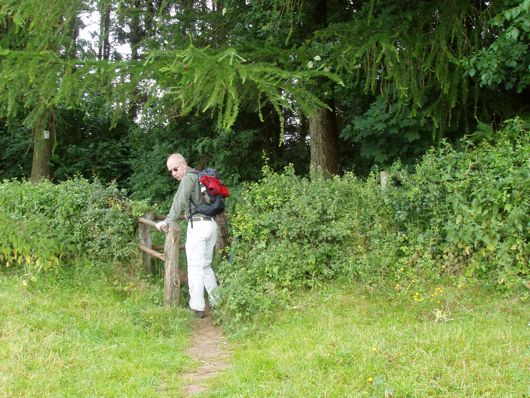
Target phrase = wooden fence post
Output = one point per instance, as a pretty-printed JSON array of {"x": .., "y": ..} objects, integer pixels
[
  {"x": 384, "y": 179},
  {"x": 144, "y": 233},
  {"x": 171, "y": 266},
  {"x": 222, "y": 232}
]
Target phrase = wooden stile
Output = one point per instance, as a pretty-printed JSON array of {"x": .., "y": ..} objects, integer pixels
[
  {"x": 170, "y": 256},
  {"x": 172, "y": 277}
]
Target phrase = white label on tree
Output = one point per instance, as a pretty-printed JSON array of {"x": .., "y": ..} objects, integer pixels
[{"x": 46, "y": 135}]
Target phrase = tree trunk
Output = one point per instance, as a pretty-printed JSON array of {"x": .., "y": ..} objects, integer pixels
[
  {"x": 42, "y": 152},
  {"x": 324, "y": 142},
  {"x": 136, "y": 35},
  {"x": 323, "y": 123},
  {"x": 71, "y": 50},
  {"x": 104, "y": 31}
]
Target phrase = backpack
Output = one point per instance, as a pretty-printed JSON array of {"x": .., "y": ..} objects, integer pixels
[{"x": 213, "y": 192}]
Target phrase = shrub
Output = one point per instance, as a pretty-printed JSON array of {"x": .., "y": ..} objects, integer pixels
[
  {"x": 45, "y": 224},
  {"x": 460, "y": 212},
  {"x": 471, "y": 206},
  {"x": 291, "y": 232}
]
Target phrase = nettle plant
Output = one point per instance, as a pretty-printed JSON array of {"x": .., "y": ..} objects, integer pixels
[
  {"x": 470, "y": 208},
  {"x": 45, "y": 225}
]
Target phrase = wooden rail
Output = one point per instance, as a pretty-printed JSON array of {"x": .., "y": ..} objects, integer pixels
[
  {"x": 147, "y": 221},
  {"x": 152, "y": 252}
]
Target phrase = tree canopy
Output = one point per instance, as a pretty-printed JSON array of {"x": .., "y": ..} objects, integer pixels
[{"x": 392, "y": 77}]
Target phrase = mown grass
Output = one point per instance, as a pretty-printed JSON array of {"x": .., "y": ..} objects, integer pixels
[
  {"x": 79, "y": 336},
  {"x": 347, "y": 342}
]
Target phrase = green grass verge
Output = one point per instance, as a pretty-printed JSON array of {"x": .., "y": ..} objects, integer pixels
[
  {"x": 67, "y": 338},
  {"x": 346, "y": 342},
  {"x": 86, "y": 337}
]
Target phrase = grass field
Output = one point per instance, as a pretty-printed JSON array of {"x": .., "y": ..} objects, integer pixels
[
  {"x": 64, "y": 338},
  {"x": 422, "y": 342}
]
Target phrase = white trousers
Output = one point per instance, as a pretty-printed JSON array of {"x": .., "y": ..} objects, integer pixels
[{"x": 200, "y": 244}]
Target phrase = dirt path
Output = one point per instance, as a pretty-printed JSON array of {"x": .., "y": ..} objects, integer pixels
[{"x": 209, "y": 349}]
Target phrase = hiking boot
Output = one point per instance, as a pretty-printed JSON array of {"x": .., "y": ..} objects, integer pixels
[{"x": 198, "y": 314}]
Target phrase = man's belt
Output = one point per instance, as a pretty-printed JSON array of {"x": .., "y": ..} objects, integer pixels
[{"x": 201, "y": 218}]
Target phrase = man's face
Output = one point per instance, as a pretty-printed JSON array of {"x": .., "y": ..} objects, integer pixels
[{"x": 177, "y": 168}]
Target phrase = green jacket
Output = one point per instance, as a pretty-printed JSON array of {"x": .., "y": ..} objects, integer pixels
[{"x": 188, "y": 189}]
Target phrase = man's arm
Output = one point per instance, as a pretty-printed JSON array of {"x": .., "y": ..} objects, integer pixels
[{"x": 180, "y": 201}]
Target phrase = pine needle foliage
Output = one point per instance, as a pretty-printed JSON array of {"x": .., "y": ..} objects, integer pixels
[
  {"x": 206, "y": 80},
  {"x": 200, "y": 80},
  {"x": 40, "y": 72},
  {"x": 45, "y": 25},
  {"x": 409, "y": 53}
]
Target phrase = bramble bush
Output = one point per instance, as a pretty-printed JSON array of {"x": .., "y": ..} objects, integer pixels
[
  {"x": 45, "y": 225},
  {"x": 460, "y": 212}
]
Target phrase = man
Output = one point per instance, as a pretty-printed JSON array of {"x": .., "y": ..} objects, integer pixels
[{"x": 201, "y": 233}]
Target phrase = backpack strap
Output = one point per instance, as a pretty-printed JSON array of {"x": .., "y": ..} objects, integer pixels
[{"x": 190, "y": 212}]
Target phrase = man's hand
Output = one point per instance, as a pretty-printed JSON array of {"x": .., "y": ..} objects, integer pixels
[{"x": 161, "y": 226}]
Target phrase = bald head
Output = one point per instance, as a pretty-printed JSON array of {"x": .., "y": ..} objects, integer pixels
[
  {"x": 176, "y": 157},
  {"x": 177, "y": 166}
]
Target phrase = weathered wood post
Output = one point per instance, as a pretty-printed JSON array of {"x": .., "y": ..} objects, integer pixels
[
  {"x": 222, "y": 232},
  {"x": 384, "y": 175},
  {"x": 171, "y": 266},
  {"x": 144, "y": 233}
]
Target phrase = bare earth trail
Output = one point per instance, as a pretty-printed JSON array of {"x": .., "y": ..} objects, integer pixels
[{"x": 210, "y": 349}]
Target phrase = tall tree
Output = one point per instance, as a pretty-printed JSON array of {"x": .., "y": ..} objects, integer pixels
[
  {"x": 323, "y": 122},
  {"x": 402, "y": 65},
  {"x": 37, "y": 41}
]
